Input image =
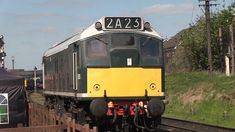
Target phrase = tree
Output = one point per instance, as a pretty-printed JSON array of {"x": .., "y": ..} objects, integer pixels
[{"x": 194, "y": 41}]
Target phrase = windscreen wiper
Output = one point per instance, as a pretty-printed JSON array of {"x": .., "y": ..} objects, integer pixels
[
  {"x": 146, "y": 41},
  {"x": 101, "y": 40}
]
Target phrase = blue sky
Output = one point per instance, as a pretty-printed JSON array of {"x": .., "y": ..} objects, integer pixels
[{"x": 30, "y": 27}]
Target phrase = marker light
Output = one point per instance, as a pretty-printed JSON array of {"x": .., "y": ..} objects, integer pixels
[
  {"x": 141, "y": 104},
  {"x": 96, "y": 87},
  {"x": 110, "y": 104},
  {"x": 147, "y": 25},
  {"x": 98, "y": 25},
  {"x": 152, "y": 86}
]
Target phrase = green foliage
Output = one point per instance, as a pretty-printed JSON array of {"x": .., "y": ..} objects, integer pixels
[{"x": 194, "y": 41}]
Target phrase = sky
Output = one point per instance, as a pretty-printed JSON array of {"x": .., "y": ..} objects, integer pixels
[{"x": 30, "y": 27}]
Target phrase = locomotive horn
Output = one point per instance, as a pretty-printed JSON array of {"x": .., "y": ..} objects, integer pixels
[
  {"x": 156, "y": 107},
  {"x": 98, "y": 107}
]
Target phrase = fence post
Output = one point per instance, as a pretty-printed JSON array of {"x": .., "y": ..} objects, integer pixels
[{"x": 85, "y": 128}]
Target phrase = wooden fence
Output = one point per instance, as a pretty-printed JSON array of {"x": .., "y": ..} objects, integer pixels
[{"x": 43, "y": 120}]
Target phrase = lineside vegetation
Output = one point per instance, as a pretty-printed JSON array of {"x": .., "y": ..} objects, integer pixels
[
  {"x": 191, "y": 49},
  {"x": 196, "y": 96}
]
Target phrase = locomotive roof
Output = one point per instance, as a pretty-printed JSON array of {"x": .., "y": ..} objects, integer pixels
[{"x": 91, "y": 31}]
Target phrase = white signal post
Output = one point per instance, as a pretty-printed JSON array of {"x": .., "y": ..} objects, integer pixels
[
  {"x": 35, "y": 79},
  {"x": 227, "y": 69}
]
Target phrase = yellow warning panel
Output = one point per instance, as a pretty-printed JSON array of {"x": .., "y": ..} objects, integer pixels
[{"x": 124, "y": 82}]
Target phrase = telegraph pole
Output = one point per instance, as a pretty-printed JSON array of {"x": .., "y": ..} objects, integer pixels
[
  {"x": 208, "y": 28},
  {"x": 221, "y": 49},
  {"x": 232, "y": 48}
]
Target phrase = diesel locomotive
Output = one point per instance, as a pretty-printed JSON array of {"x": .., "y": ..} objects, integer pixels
[{"x": 110, "y": 75}]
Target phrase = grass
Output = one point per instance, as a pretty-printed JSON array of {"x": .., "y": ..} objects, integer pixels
[{"x": 198, "y": 97}]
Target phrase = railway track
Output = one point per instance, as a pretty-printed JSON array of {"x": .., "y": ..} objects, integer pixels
[
  {"x": 177, "y": 125},
  {"x": 42, "y": 119}
]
